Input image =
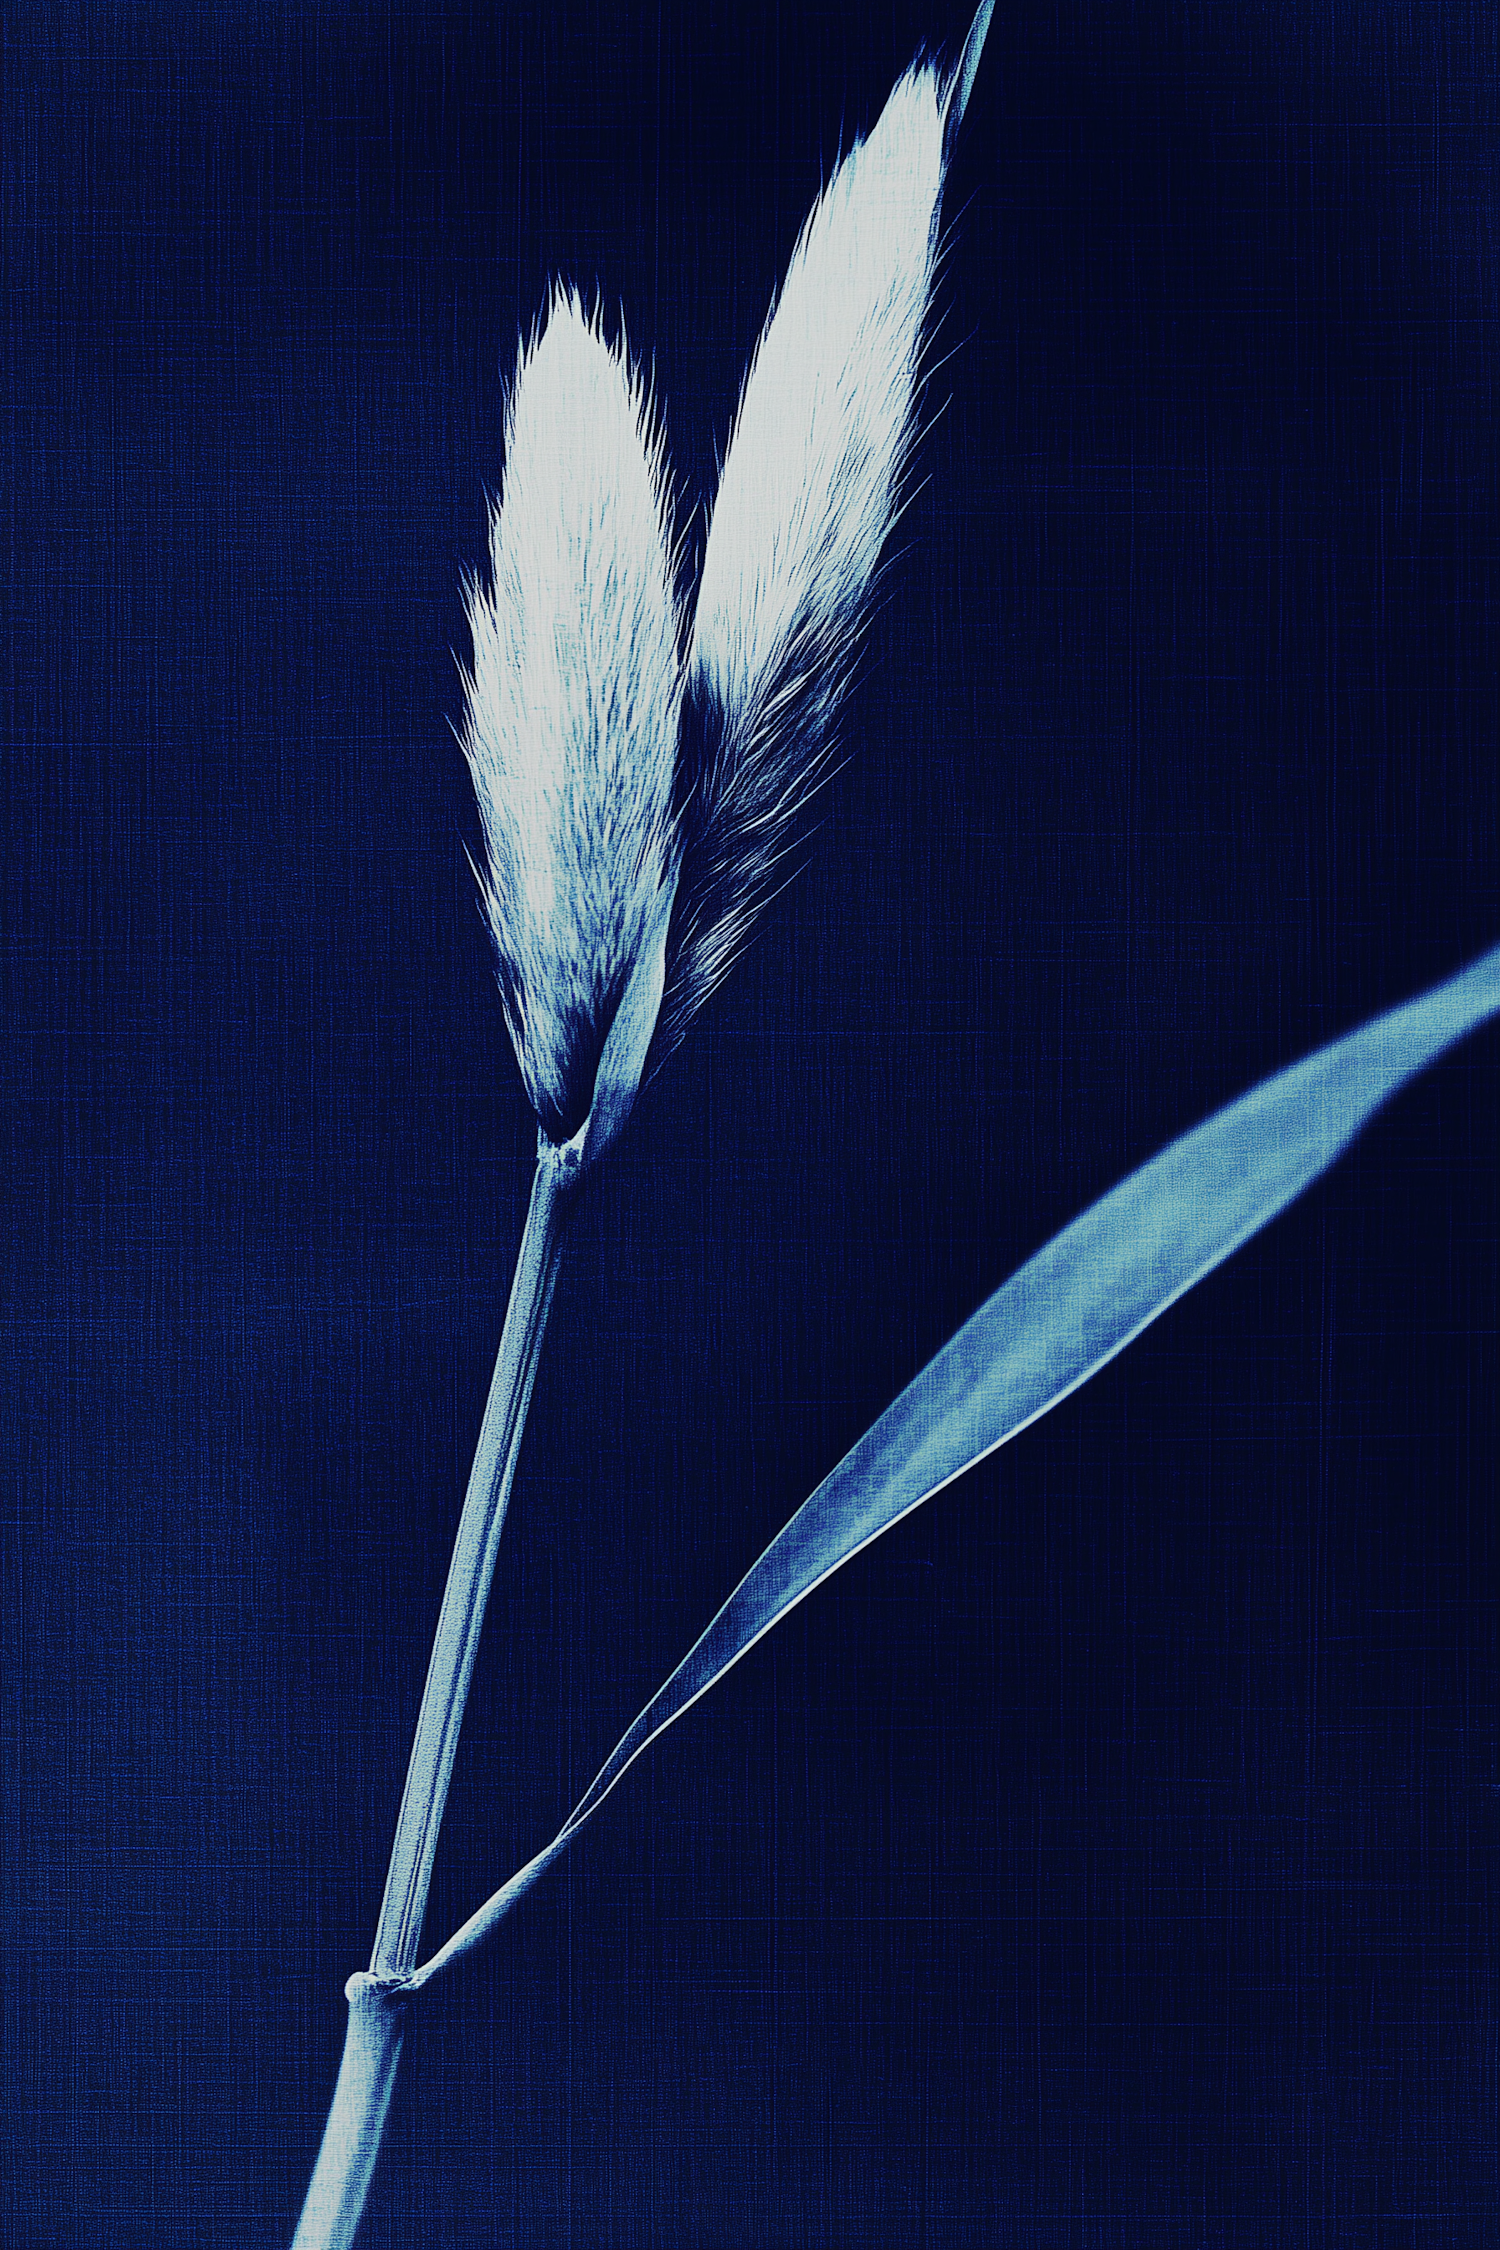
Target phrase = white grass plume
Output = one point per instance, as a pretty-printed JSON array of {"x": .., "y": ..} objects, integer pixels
[
  {"x": 810, "y": 486},
  {"x": 825, "y": 415},
  {"x": 635, "y": 811},
  {"x": 573, "y": 698}
]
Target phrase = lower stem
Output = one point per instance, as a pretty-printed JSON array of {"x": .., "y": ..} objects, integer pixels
[
  {"x": 356, "y": 2121},
  {"x": 372, "y": 2045}
]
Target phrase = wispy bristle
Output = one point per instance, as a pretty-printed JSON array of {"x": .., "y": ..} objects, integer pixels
[
  {"x": 810, "y": 484},
  {"x": 571, "y": 723}
]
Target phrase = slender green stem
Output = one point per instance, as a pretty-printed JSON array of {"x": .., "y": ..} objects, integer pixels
[{"x": 372, "y": 2047}]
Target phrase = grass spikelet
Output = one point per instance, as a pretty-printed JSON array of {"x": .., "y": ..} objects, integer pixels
[
  {"x": 571, "y": 724},
  {"x": 810, "y": 486}
]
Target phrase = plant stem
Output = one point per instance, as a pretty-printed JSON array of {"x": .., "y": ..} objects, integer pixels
[
  {"x": 372, "y": 2046},
  {"x": 399, "y": 1930},
  {"x": 356, "y": 2121}
]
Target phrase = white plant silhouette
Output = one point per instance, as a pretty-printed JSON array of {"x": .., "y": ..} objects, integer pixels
[
  {"x": 639, "y": 777},
  {"x": 638, "y": 783}
]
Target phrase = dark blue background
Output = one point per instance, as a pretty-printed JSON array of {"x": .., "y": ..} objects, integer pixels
[{"x": 1109, "y": 1856}]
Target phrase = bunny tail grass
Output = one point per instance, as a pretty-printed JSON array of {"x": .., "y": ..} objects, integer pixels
[
  {"x": 810, "y": 487},
  {"x": 571, "y": 719},
  {"x": 372, "y": 2047}
]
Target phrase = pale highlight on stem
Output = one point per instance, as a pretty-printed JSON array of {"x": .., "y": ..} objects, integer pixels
[
  {"x": 456, "y": 1642},
  {"x": 335, "y": 2199}
]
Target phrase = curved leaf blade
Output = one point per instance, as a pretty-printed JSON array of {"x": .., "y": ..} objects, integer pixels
[{"x": 1065, "y": 1314}]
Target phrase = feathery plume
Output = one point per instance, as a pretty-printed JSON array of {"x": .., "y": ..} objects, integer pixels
[
  {"x": 571, "y": 724},
  {"x": 810, "y": 486}
]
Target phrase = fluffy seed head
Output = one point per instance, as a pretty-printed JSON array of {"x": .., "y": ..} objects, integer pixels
[
  {"x": 572, "y": 705},
  {"x": 825, "y": 415},
  {"x": 810, "y": 485},
  {"x": 635, "y": 814}
]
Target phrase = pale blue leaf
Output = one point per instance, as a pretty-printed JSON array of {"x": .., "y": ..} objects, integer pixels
[{"x": 1067, "y": 1312}]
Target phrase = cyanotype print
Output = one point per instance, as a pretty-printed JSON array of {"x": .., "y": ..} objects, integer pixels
[{"x": 935, "y": 949}]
